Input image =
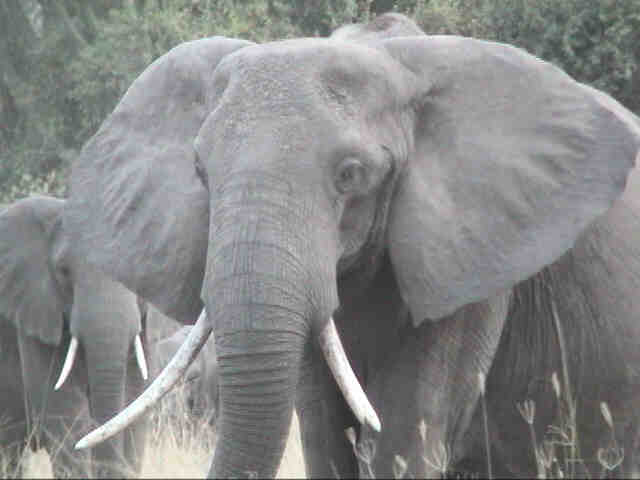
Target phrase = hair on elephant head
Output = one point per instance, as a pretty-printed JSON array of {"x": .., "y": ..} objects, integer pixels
[
  {"x": 372, "y": 199},
  {"x": 75, "y": 335}
]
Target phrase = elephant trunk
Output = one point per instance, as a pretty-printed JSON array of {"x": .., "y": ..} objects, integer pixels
[
  {"x": 107, "y": 370},
  {"x": 261, "y": 316},
  {"x": 270, "y": 281}
]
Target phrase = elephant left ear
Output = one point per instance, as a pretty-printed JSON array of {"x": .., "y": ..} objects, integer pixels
[
  {"x": 29, "y": 296},
  {"x": 511, "y": 160},
  {"x": 138, "y": 209}
]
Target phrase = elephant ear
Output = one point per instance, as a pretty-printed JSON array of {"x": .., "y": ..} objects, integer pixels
[
  {"x": 29, "y": 297},
  {"x": 138, "y": 209},
  {"x": 512, "y": 160}
]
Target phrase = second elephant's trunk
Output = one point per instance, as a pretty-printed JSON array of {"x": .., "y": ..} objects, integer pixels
[
  {"x": 106, "y": 319},
  {"x": 107, "y": 370}
]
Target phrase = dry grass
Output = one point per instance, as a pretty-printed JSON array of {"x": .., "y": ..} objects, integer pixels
[
  {"x": 177, "y": 447},
  {"x": 180, "y": 447}
]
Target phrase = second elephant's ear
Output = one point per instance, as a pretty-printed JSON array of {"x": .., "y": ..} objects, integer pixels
[
  {"x": 512, "y": 159},
  {"x": 29, "y": 297},
  {"x": 137, "y": 208}
]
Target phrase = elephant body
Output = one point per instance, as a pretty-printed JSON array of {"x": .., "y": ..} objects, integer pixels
[
  {"x": 48, "y": 297},
  {"x": 380, "y": 226}
]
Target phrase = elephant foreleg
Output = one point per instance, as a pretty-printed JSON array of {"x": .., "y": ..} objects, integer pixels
[
  {"x": 55, "y": 418},
  {"x": 427, "y": 391}
]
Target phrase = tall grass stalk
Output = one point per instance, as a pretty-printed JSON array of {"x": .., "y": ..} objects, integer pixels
[
  {"x": 485, "y": 418},
  {"x": 527, "y": 410},
  {"x": 570, "y": 401}
]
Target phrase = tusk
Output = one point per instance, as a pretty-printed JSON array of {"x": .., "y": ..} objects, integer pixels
[
  {"x": 162, "y": 384},
  {"x": 142, "y": 363},
  {"x": 346, "y": 379},
  {"x": 68, "y": 362}
]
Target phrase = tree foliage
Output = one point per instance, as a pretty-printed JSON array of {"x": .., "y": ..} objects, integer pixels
[
  {"x": 595, "y": 41},
  {"x": 65, "y": 63}
]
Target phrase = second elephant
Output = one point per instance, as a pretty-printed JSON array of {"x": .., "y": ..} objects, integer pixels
[{"x": 62, "y": 320}]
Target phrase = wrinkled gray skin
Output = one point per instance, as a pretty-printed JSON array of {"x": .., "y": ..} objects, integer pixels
[
  {"x": 200, "y": 384},
  {"x": 47, "y": 295},
  {"x": 404, "y": 185}
]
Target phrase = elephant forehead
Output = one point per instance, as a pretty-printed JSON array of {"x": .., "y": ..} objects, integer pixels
[
  {"x": 298, "y": 96},
  {"x": 301, "y": 71}
]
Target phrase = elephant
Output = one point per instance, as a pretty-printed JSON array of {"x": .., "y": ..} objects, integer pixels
[
  {"x": 200, "y": 388},
  {"x": 359, "y": 220},
  {"x": 60, "y": 319}
]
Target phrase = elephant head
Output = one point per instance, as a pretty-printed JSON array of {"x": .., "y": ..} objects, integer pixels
[
  {"x": 50, "y": 295},
  {"x": 260, "y": 178}
]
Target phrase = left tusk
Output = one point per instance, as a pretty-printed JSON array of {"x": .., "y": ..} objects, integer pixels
[
  {"x": 345, "y": 377},
  {"x": 68, "y": 363},
  {"x": 142, "y": 362}
]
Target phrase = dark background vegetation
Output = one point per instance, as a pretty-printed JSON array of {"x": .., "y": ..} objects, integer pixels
[{"x": 64, "y": 64}]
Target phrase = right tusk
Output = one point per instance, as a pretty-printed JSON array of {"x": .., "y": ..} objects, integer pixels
[
  {"x": 343, "y": 373},
  {"x": 142, "y": 363},
  {"x": 68, "y": 363},
  {"x": 162, "y": 384}
]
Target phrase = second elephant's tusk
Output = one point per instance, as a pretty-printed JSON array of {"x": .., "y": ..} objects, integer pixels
[
  {"x": 162, "y": 384},
  {"x": 345, "y": 377},
  {"x": 68, "y": 363},
  {"x": 142, "y": 362}
]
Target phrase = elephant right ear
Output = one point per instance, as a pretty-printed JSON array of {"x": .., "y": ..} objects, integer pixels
[
  {"x": 29, "y": 297},
  {"x": 137, "y": 208},
  {"x": 511, "y": 160}
]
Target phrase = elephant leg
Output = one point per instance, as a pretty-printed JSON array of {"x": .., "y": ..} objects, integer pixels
[
  {"x": 55, "y": 418},
  {"x": 631, "y": 464},
  {"x": 324, "y": 416},
  {"x": 13, "y": 443},
  {"x": 427, "y": 391},
  {"x": 13, "y": 419}
]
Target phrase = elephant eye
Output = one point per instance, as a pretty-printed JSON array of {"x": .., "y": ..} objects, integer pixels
[
  {"x": 64, "y": 273},
  {"x": 351, "y": 176},
  {"x": 200, "y": 172}
]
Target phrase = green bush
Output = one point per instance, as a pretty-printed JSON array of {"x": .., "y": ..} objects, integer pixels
[{"x": 66, "y": 63}]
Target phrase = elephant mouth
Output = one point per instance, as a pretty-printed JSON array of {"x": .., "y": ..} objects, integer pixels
[
  {"x": 329, "y": 342},
  {"x": 363, "y": 262},
  {"x": 70, "y": 358}
]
